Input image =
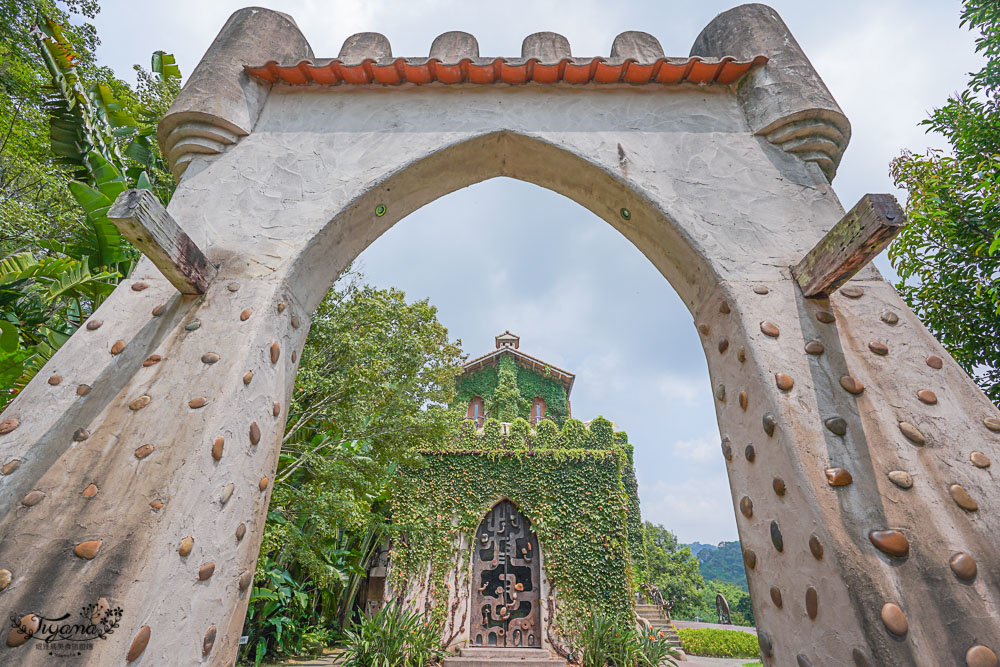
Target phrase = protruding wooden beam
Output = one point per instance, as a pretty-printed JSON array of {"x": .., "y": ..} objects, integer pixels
[
  {"x": 141, "y": 219},
  {"x": 853, "y": 242}
]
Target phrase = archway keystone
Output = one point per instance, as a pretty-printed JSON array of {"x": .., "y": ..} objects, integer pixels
[{"x": 717, "y": 167}]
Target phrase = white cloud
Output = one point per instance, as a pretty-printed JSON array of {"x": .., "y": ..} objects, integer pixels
[{"x": 698, "y": 450}]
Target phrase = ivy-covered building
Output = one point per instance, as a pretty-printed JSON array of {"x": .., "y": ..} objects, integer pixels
[{"x": 526, "y": 523}]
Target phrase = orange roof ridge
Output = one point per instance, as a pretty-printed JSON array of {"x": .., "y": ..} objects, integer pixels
[{"x": 397, "y": 71}]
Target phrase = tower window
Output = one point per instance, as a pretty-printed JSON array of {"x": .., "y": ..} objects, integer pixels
[
  {"x": 475, "y": 411},
  {"x": 537, "y": 410}
]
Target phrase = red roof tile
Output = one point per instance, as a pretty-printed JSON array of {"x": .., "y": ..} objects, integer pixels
[{"x": 395, "y": 71}]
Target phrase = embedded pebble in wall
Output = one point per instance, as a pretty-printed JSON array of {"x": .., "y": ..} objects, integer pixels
[
  {"x": 241, "y": 530},
  {"x": 890, "y": 542},
  {"x": 8, "y": 425},
  {"x": 901, "y": 479},
  {"x": 836, "y": 425},
  {"x": 852, "y": 292},
  {"x": 776, "y": 596},
  {"x": 254, "y": 433},
  {"x": 138, "y": 644},
  {"x": 860, "y": 659},
  {"x": 33, "y": 498},
  {"x": 262, "y": 485},
  {"x": 275, "y": 352},
  {"x": 276, "y": 409},
  {"x": 776, "y": 539},
  {"x": 30, "y": 623},
  {"x": 889, "y": 317},
  {"x": 934, "y": 362},
  {"x": 766, "y": 647},
  {"x": 881, "y": 349},
  {"x": 894, "y": 619},
  {"x": 703, "y": 329},
  {"x": 144, "y": 451},
  {"x": 743, "y": 400},
  {"x": 196, "y": 403},
  {"x": 778, "y": 485},
  {"x": 746, "y": 506},
  {"x": 825, "y": 317},
  {"x": 784, "y": 382},
  {"x": 814, "y": 347},
  {"x": 979, "y": 460},
  {"x": 295, "y": 322},
  {"x": 245, "y": 315},
  {"x": 760, "y": 289},
  {"x": 90, "y": 491},
  {"x": 139, "y": 286},
  {"x": 206, "y": 571},
  {"x": 217, "y": 447},
  {"x": 724, "y": 307},
  {"x": 838, "y": 477},
  {"x": 158, "y": 310},
  {"x": 727, "y": 450},
  {"x": 6, "y": 576},
  {"x": 962, "y": 498},
  {"x": 193, "y": 325},
  {"x": 118, "y": 347},
  {"x": 233, "y": 287},
  {"x": 152, "y": 360},
  {"x": 720, "y": 392},
  {"x": 723, "y": 345},
  {"x": 246, "y": 578},
  {"x": 770, "y": 329},
  {"x": 87, "y": 550},
  {"x": 750, "y": 558},
  {"x": 10, "y": 466},
  {"x": 812, "y": 603},
  {"x": 802, "y": 661},
  {"x": 992, "y": 423},
  {"x": 816, "y": 547},
  {"x": 294, "y": 356},
  {"x": 964, "y": 566},
  {"x": 248, "y": 377},
  {"x": 83, "y": 390},
  {"x": 912, "y": 433},
  {"x": 209, "y": 358},
  {"x": 750, "y": 453},
  {"x": 187, "y": 544},
  {"x": 980, "y": 656},
  {"x": 140, "y": 403},
  {"x": 80, "y": 434},
  {"x": 227, "y": 493},
  {"x": 208, "y": 641},
  {"x": 55, "y": 380},
  {"x": 157, "y": 505},
  {"x": 927, "y": 396},
  {"x": 741, "y": 354},
  {"x": 94, "y": 325},
  {"x": 281, "y": 307},
  {"x": 851, "y": 385}
]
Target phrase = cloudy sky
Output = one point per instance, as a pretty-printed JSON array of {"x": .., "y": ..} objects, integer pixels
[{"x": 509, "y": 255}]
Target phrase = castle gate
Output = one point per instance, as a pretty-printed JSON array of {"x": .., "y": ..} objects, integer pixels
[
  {"x": 859, "y": 454},
  {"x": 506, "y": 581}
]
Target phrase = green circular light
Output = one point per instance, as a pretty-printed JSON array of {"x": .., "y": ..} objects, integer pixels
[
  {"x": 626, "y": 214},
  {"x": 380, "y": 210}
]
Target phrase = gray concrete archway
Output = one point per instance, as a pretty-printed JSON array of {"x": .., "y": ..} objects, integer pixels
[{"x": 717, "y": 169}]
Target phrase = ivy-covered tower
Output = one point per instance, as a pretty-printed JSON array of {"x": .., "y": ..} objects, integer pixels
[{"x": 527, "y": 523}]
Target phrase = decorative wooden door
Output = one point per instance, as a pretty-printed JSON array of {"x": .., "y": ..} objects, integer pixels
[{"x": 505, "y": 581}]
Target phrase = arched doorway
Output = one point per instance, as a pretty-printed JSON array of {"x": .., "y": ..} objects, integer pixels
[{"x": 506, "y": 580}]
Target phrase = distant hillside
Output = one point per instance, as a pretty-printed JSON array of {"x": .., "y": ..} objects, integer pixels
[
  {"x": 724, "y": 562},
  {"x": 698, "y": 547}
]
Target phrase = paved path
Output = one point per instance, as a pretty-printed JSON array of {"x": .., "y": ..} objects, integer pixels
[{"x": 692, "y": 661}]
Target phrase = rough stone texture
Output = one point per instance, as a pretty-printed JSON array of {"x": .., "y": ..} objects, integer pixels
[{"x": 719, "y": 211}]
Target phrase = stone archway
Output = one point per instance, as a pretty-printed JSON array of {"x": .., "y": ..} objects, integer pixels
[{"x": 858, "y": 452}]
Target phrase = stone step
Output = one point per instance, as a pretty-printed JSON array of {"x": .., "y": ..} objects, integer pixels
[{"x": 489, "y": 656}]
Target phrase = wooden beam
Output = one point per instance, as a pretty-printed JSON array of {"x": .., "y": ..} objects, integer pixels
[
  {"x": 141, "y": 219},
  {"x": 853, "y": 242}
]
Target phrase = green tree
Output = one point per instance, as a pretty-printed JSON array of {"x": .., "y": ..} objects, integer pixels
[
  {"x": 376, "y": 377},
  {"x": 724, "y": 563},
  {"x": 947, "y": 258},
  {"x": 740, "y": 611},
  {"x": 673, "y": 569}
]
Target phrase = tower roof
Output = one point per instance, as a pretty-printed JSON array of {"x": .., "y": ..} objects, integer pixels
[{"x": 508, "y": 343}]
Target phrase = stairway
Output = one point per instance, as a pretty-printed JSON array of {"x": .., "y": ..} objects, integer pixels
[
  {"x": 658, "y": 620},
  {"x": 491, "y": 656}
]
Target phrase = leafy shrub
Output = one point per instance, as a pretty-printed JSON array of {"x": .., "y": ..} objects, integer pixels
[
  {"x": 392, "y": 638},
  {"x": 715, "y": 643},
  {"x": 605, "y": 643}
]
